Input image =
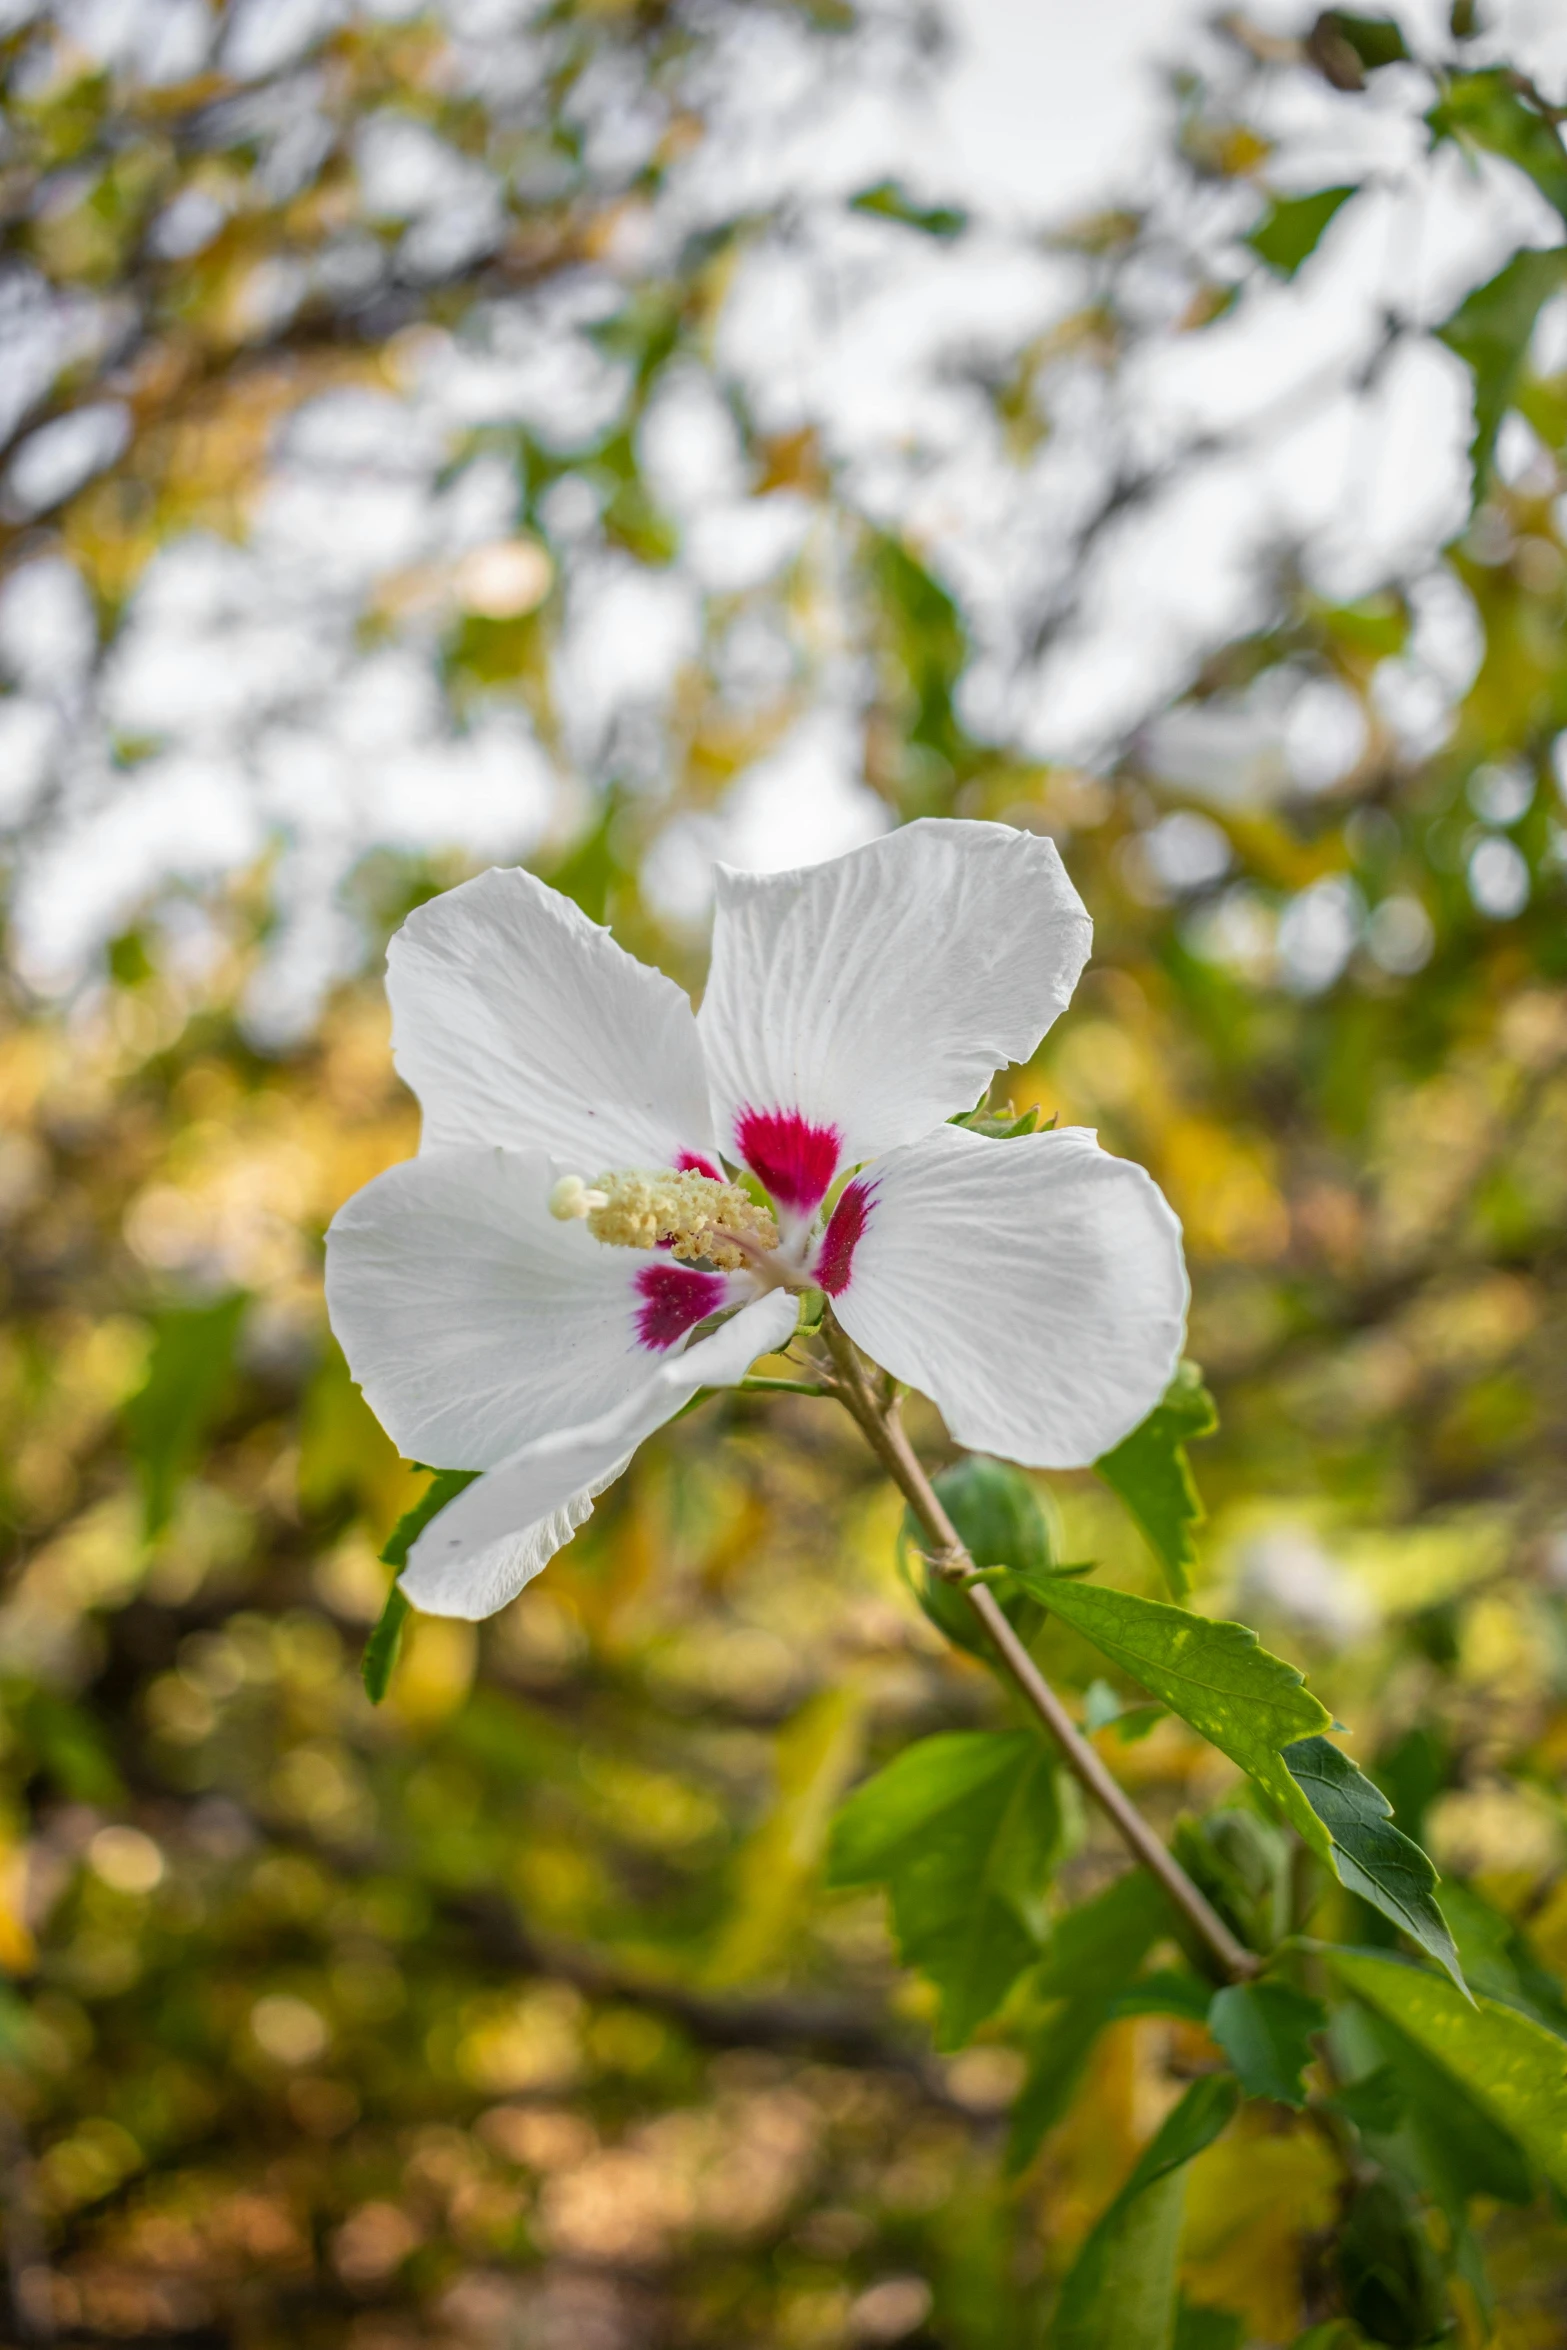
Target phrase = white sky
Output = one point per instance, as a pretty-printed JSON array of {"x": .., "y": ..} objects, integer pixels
[{"x": 1051, "y": 105}]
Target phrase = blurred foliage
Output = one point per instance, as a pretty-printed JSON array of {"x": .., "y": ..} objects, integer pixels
[{"x": 521, "y": 2009}]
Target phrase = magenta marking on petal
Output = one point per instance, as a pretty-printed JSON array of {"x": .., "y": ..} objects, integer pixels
[
  {"x": 674, "y": 1299},
  {"x": 845, "y": 1231},
  {"x": 793, "y": 1159},
  {"x": 693, "y": 1163}
]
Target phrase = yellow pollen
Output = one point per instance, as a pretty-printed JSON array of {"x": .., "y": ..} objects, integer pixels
[{"x": 693, "y": 1215}]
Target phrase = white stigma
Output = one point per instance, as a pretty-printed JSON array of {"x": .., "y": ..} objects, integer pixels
[{"x": 572, "y": 1201}]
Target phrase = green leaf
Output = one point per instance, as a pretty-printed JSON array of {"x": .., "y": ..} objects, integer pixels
[
  {"x": 1491, "y": 331},
  {"x": 891, "y": 200},
  {"x": 181, "y": 1399},
  {"x": 1293, "y": 227},
  {"x": 1208, "y": 2329},
  {"x": 1374, "y": 2103},
  {"x": 1000, "y": 1125},
  {"x": 386, "y": 1638},
  {"x": 385, "y": 1642},
  {"x": 444, "y": 1486},
  {"x": 1120, "y": 2293},
  {"x": 1265, "y": 2030},
  {"x": 1497, "y": 1959},
  {"x": 1167, "y": 1991},
  {"x": 1428, "y": 2124},
  {"x": 1149, "y": 1470},
  {"x": 1090, "y": 1961},
  {"x": 1512, "y": 2066},
  {"x": 1376, "y": 40},
  {"x": 1368, "y": 1854},
  {"x": 1215, "y": 1675},
  {"x": 1487, "y": 110},
  {"x": 961, "y": 1829},
  {"x": 1387, "y": 2270}
]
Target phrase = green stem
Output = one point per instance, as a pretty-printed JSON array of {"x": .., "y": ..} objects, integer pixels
[
  {"x": 750, "y": 1386},
  {"x": 884, "y": 1432}
]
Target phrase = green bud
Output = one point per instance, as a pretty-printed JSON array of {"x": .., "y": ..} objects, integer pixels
[
  {"x": 994, "y": 1509},
  {"x": 997, "y": 1514},
  {"x": 1387, "y": 2271}
]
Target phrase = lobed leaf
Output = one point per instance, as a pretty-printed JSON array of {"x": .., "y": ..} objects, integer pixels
[
  {"x": 1150, "y": 1472},
  {"x": 1513, "y": 2067},
  {"x": 961, "y": 1830}
]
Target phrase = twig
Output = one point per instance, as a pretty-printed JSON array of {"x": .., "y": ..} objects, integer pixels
[{"x": 885, "y": 1434}]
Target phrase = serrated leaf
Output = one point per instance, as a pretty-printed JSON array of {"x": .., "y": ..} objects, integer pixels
[
  {"x": 1293, "y": 227},
  {"x": 1487, "y": 110},
  {"x": 1217, "y": 1676},
  {"x": 386, "y": 1637},
  {"x": 1265, "y": 2030},
  {"x": 1120, "y": 2293},
  {"x": 181, "y": 1399},
  {"x": 961, "y": 1830},
  {"x": 1150, "y": 1472},
  {"x": 1491, "y": 331},
  {"x": 1367, "y": 1853},
  {"x": 1514, "y": 2068}
]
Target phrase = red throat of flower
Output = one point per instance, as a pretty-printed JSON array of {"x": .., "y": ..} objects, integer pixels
[
  {"x": 674, "y": 1299},
  {"x": 795, "y": 1160},
  {"x": 845, "y": 1230}
]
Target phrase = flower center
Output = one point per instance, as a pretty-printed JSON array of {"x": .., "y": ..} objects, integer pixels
[{"x": 693, "y": 1216}]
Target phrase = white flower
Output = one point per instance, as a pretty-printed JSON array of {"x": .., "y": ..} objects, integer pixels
[{"x": 520, "y": 1298}]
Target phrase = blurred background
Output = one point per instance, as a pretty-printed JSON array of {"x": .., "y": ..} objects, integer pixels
[{"x": 616, "y": 435}]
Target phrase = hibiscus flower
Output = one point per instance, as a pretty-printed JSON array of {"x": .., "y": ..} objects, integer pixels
[{"x": 573, "y": 1253}]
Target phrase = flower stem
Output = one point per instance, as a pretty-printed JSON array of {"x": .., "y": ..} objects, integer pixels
[{"x": 887, "y": 1438}]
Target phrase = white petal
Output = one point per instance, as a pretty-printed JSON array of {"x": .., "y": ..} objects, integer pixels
[
  {"x": 474, "y": 1322},
  {"x": 1034, "y": 1289},
  {"x": 518, "y": 1021},
  {"x": 874, "y": 996},
  {"x": 496, "y": 1536}
]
